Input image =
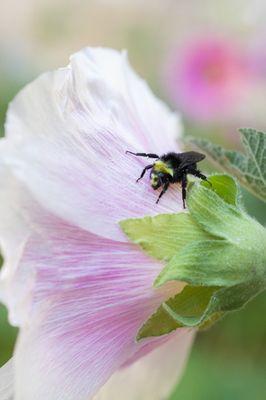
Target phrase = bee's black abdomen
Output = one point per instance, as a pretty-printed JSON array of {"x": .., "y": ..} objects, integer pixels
[{"x": 172, "y": 159}]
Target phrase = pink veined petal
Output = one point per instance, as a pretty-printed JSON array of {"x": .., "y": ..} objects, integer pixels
[
  {"x": 85, "y": 313},
  {"x": 25, "y": 225},
  {"x": 6, "y": 381},
  {"x": 150, "y": 378},
  {"x": 153, "y": 376},
  {"x": 74, "y": 162},
  {"x": 94, "y": 191},
  {"x": 79, "y": 300}
]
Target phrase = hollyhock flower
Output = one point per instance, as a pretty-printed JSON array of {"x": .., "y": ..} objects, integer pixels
[
  {"x": 207, "y": 79},
  {"x": 73, "y": 283}
]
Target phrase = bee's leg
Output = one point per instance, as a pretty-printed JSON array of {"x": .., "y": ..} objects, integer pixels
[
  {"x": 144, "y": 170},
  {"x": 198, "y": 174},
  {"x": 149, "y": 155},
  {"x": 184, "y": 189},
  {"x": 165, "y": 187}
]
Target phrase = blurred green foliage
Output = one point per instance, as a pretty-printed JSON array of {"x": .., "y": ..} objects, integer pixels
[
  {"x": 7, "y": 336},
  {"x": 210, "y": 377},
  {"x": 9, "y": 87}
]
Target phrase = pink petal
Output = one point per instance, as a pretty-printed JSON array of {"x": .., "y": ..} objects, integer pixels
[
  {"x": 79, "y": 300},
  {"x": 90, "y": 297},
  {"x": 67, "y": 136},
  {"x": 152, "y": 377}
]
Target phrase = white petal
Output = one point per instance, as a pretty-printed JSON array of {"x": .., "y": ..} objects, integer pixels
[
  {"x": 14, "y": 233},
  {"x": 107, "y": 75},
  {"x": 67, "y": 136},
  {"x": 100, "y": 88},
  {"x": 6, "y": 381},
  {"x": 152, "y": 377}
]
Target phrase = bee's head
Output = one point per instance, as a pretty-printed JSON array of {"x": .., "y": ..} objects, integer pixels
[{"x": 156, "y": 179}]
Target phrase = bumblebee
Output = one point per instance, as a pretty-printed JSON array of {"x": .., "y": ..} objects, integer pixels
[{"x": 172, "y": 168}]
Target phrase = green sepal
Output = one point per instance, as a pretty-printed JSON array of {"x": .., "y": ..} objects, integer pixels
[
  {"x": 209, "y": 263},
  {"x": 214, "y": 214},
  {"x": 164, "y": 235},
  {"x": 184, "y": 309},
  {"x": 198, "y": 306},
  {"x": 207, "y": 323}
]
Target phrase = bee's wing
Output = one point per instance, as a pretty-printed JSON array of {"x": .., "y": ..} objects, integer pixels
[{"x": 190, "y": 157}]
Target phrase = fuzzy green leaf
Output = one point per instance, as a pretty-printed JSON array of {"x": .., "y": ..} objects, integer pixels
[{"x": 250, "y": 168}]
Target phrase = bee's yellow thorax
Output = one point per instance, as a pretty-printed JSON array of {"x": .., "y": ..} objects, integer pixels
[{"x": 160, "y": 166}]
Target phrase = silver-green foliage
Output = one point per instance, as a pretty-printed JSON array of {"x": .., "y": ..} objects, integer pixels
[{"x": 248, "y": 167}]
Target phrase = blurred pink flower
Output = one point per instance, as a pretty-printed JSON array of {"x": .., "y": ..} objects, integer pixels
[
  {"x": 78, "y": 290},
  {"x": 207, "y": 78},
  {"x": 256, "y": 55}
]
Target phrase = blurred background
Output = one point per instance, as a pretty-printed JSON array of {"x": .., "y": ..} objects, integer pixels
[{"x": 206, "y": 59}]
